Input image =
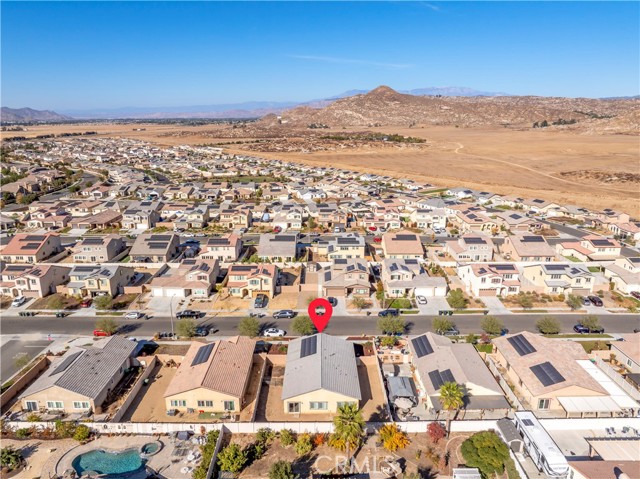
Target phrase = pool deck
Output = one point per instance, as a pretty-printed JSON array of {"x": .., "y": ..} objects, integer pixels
[{"x": 165, "y": 461}]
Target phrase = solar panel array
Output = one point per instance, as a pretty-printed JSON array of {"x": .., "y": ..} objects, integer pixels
[
  {"x": 527, "y": 422},
  {"x": 438, "y": 378},
  {"x": 30, "y": 246},
  {"x": 218, "y": 241},
  {"x": 202, "y": 356},
  {"x": 533, "y": 239},
  {"x": 503, "y": 267},
  {"x": 406, "y": 237},
  {"x": 65, "y": 363},
  {"x": 515, "y": 216},
  {"x": 92, "y": 241},
  {"x": 602, "y": 242},
  {"x": 283, "y": 238},
  {"x": 475, "y": 240},
  {"x": 309, "y": 346},
  {"x": 84, "y": 269},
  {"x": 157, "y": 245},
  {"x": 159, "y": 238},
  {"x": 241, "y": 268},
  {"x": 556, "y": 267},
  {"x": 521, "y": 345},
  {"x": 422, "y": 346},
  {"x": 34, "y": 238},
  {"x": 547, "y": 374}
]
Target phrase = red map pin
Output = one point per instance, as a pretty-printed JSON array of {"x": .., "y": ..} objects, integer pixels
[{"x": 320, "y": 319}]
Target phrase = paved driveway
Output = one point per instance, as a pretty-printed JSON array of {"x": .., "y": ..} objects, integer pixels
[
  {"x": 434, "y": 304},
  {"x": 494, "y": 305}
]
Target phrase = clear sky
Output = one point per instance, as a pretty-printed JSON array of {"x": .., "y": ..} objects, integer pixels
[{"x": 83, "y": 55}]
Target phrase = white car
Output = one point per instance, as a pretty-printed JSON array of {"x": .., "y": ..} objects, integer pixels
[
  {"x": 19, "y": 301},
  {"x": 133, "y": 315},
  {"x": 421, "y": 300},
  {"x": 273, "y": 333}
]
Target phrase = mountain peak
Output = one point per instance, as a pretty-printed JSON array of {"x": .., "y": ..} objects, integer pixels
[{"x": 382, "y": 90}]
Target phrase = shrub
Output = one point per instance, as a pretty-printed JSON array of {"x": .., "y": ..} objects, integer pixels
[
  {"x": 10, "y": 458},
  {"x": 388, "y": 341},
  {"x": 303, "y": 445},
  {"x": 281, "y": 470},
  {"x": 393, "y": 438},
  {"x": 232, "y": 458},
  {"x": 82, "y": 433},
  {"x": 360, "y": 303},
  {"x": 591, "y": 321},
  {"x": 287, "y": 437},
  {"x": 436, "y": 431},
  {"x": 491, "y": 325},
  {"x": 319, "y": 439},
  {"x": 456, "y": 299},
  {"x": 574, "y": 302},
  {"x": 34, "y": 417},
  {"x": 264, "y": 435},
  {"x": 186, "y": 328},
  {"x": 23, "y": 433},
  {"x": 108, "y": 325},
  {"x": 390, "y": 325},
  {"x": 442, "y": 324},
  {"x": 303, "y": 326},
  {"x": 103, "y": 302}
]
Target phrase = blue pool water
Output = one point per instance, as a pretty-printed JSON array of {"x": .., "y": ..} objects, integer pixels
[{"x": 108, "y": 462}]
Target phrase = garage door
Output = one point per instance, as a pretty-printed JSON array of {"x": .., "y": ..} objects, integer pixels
[
  {"x": 487, "y": 292},
  {"x": 167, "y": 292},
  {"x": 581, "y": 292},
  {"x": 428, "y": 292}
]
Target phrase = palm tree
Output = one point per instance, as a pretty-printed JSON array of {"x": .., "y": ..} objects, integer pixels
[
  {"x": 451, "y": 398},
  {"x": 349, "y": 426}
]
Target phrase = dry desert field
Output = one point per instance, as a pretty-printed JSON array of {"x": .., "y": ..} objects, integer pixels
[{"x": 596, "y": 171}]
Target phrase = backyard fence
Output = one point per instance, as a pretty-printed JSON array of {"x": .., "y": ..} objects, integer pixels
[
  {"x": 511, "y": 396},
  {"x": 617, "y": 378},
  {"x": 134, "y": 391}
]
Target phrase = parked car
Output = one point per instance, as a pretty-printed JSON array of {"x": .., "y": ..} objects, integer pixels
[
  {"x": 579, "y": 328},
  {"x": 188, "y": 313},
  {"x": 585, "y": 301},
  {"x": 595, "y": 300},
  {"x": 377, "y": 239},
  {"x": 421, "y": 299},
  {"x": 373, "y": 228},
  {"x": 86, "y": 303},
  {"x": 19, "y": 301},
  {"x": 134, "y": 315},
  {"x": 277, "y": 229},
  {"x": 202, "y": 331},
  {"x": 243, "y": 231},
  {"x": 332, "y": 301},
  {"x": 635, "y": 294},
  {"x": 188, "y": 235},
  {"x": 504, "y": 331},
  {"x": 284, "y": 314},
  {"x": 389, "y": 312},
  {"x": 98, "y": 333},
  {"x": 260, "y": 301},
  {"x": 449, "y": 332},
  {"x": 274, "y": 333},
  {"x": 383, "y": 229}
]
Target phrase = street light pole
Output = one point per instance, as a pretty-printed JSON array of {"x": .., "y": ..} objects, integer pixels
[{"x": 171, "y": 308}]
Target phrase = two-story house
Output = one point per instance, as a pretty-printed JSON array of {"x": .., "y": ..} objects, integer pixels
[
  {"x": 98, "y": 249},
  {"x": 402, "y": 245},
  {"x": 155, "y": 248},
  {"x": 94, "y": 281},
  {"x": 252, "y": 279},
  {"x": 405, "y": 278},
  {"x": 470, "y": 247},
  {"x": 343, "y": 246},
  {"x": 624, "y": 273},
  {"x": 527, "y": 248},
  {"x": 347, "y": 277},
  {"x": 560, "y": 278},
  {"x": 224, "y": 248},
  {"x": 31, "y": 248},
  {"x": 31, "y": 281},
  {"x": 490, "y": 279},
  {"x": 193, "y": 277}
]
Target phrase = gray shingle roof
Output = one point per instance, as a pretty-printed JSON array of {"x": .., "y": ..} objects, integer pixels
[{"x": 332, "y": 368}]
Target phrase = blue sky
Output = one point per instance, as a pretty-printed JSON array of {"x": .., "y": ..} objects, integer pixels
[{"x": 65, "y": 55}]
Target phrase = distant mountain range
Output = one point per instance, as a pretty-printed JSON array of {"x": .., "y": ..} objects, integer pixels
[
  {"x": 28, "y": 115},
  {"x": 253, "y": 109}
]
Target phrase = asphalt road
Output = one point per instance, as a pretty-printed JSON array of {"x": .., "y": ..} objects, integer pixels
[
  {"x": 344, "y": 325},
  {"x": 12, "y": 348}
]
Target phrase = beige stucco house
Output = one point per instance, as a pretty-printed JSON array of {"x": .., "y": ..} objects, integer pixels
[
  {"x": 212, "y": 377},
  {"x": 31, "y": 248}
]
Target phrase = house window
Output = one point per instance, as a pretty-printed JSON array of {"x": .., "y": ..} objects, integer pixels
[
  {"x": 205, "y": 403},
  {"x": 629, "y": 362},
  {"x": 31, "y": 405},
  {"x": 178, "y": 403},
  {"x": 318, "y": 406},
  {"x": 229, "y": 406},
  {"x": 543, "y": 403},
  {"x": 55, "y": 405},
  {"x": 293, "y": 407},
  {"x": 344, "y": 403},
  {"x": 81, "y": 405}
]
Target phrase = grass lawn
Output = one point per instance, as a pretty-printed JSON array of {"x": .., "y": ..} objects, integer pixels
[
  {"x": 126, "y": 259},
  {"x": 123, "y": 301},
  {"x": 401, "y": 303},
  {"x": 573, "y": 259},
  {"x": 48, "y": 302},
  {"x": 469, "y": 311},
  {"x": 529, "y": 311},
  {"x": 597, "y": 345},
  {"x": 594, "y": 269},
  {"x": 484, "y": 348}
]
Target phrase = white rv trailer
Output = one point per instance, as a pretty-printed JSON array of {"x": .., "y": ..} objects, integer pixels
[{"x": 544, "y": 452}]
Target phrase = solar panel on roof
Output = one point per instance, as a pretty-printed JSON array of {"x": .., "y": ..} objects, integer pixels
[
  {"x": 283, "y": 238},
  {"x": 515, "y": 216},
  {"x": 65, "y": 363},
  {"x": 547, "y": 374},
  {"x": 602, "y": 242},
  {"x": 634, "y": 260},
  {"x": 218, "y": 241},
  {"x": 202, "y": 356},
  {"x": 527, "y": 422},
  {"x": 439, "y": 378},
  {"x": 503, "y": 267},
  {"x": 242, "y": 268},
  {"x": 422, "y": 346},
  {"x": 538, "y": 201},
  {"x": 309, "y": 346},
  {"x": 157, "y": 245},
  {"x": 30, "y": 246},
  {"x": 406, "y": 237},
  {"x": 521, "y": 345},
  {"x": 533, "y": 239},
  {"x": 34, "y": 238},
  {"x": 475, "y": 240},
  {"x": 92, "y": 241},
  {"x": 84, "y": 269},
  {"x": 556, "y": 267},
  {"x": 159, "y": 238}
]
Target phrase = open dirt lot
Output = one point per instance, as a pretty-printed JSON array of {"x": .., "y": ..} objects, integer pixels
[
  {"x": 270, "y": 405},
  {"x": 561, "y": 166}
]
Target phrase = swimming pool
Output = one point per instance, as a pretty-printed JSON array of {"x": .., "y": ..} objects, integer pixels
[{"x": 111, "y": 464}]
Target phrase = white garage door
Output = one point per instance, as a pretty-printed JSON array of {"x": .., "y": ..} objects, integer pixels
[
  {"x": 167, "y": 292},
  {"x": 424, "y": 291}
]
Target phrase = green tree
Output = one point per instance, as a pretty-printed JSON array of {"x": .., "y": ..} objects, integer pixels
[
  {"x": 311, "y": 222},
  {"x": 103, "y": 302},
  {"x": 391, "y": 325},
  {"x": 56, "y": 303},
  {"x": 232, "y": 458},
  {"x": 491, "y": 325},
  {"x": 486, "y": 451},
  {"x": 303, "y": 444},
  {"x": 82, "y": 433},
  {"x": 303, "y": 326},
  {"x": 592, "y": 322},
  {"x": 360, "y": 303},
  {"x": 287, "y": 437},
  {"x": 388, "y": 341},
  {"x": 471, "y": 338},
  {"x": 186, "y": 328},
  {"x": 249, "y": 327},
  {"x": 348, "y": 428},
  {"x": 108, "y": 325},
  {"x": 281, "y": 470},
  {"x": 442, "y": 324},
  {"x": 548, "y": 325},
  {"x": 456, "y": 299},
  {"x": 574, "y": 302},
  {"x": 10, "y": 458},
  {"x": 452, "y": 399}
]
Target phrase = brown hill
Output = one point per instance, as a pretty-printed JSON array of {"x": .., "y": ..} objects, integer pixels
[{"x": 385, "y": 106}]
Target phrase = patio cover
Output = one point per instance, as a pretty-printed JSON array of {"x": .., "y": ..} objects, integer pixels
[
  {"x": 621, "y": 398},
  {"x": 591, "y": 404},
  {"x": 476, "y": 403}
]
